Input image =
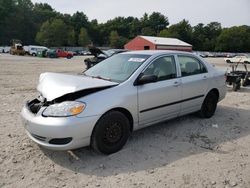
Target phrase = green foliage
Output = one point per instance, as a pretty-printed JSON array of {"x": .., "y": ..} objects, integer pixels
[
  {"x": 83, "y": 39},
  {"x": 147, "y": 31},
  {"x": 157, "y": 22},
  {"x": 71, "y": 37},
  {"x": 53, "y": 33},
  {"x": 40, "y": 23},
  {"x": 182, "y": 31},
  {"x": 164, "y": 33},
  {"x": 234, "y": 39},
  {"x": 114, "y": 38},
  {"x": 117, "y": 41}
]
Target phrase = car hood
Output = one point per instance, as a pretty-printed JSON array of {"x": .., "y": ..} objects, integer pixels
[
  {"x": 55, "y": 85},
  {"x": 96, "y": 51}
]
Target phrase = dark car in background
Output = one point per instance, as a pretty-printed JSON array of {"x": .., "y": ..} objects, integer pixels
[{"x": 100, "y": 55}]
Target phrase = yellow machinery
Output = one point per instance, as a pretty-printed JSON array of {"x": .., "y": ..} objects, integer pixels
[{"x": 17, "y": 48}]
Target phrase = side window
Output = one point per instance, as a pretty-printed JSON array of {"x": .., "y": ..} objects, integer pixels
[
  {"x": 191, "y": 66},
  {"x": 164, "y": 68}
]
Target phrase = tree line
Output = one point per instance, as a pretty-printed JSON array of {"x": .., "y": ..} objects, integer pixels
[{"x": 40, "y": 24}]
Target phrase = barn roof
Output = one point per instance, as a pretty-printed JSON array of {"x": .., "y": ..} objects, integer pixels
[{"x": 165, "y": 41}]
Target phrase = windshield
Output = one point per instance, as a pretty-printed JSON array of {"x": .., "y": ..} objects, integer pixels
[{"x": 117, "y": 68}]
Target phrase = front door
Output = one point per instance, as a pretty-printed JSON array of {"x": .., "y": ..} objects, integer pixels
[{"x": 157, "y": 100}]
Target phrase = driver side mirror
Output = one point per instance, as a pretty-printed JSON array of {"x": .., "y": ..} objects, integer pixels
[{"x": 145, "y": 79}]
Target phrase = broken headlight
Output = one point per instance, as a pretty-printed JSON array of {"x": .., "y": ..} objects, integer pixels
[{"x": 64, "y": 109}]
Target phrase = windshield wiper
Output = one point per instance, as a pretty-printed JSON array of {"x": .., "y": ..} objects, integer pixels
[{"x": 100, "y": 77}]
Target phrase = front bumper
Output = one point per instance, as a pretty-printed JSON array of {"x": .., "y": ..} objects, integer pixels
[{"x": 43, "y": 130}]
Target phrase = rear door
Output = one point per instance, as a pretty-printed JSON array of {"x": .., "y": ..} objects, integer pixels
[
  {"x": 194, "y": 76},
  {"x": 158, "y": 101}
]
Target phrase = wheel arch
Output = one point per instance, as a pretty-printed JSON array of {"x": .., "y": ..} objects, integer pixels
[
  {"x": 216, "y": 91},
  {"x": 126, "y": 113}
]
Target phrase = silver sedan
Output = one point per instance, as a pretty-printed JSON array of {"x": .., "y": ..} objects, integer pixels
[{"x": 122, "y": 94}]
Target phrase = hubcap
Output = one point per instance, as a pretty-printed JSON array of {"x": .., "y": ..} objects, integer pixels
[{"x": 113, "y": 133}]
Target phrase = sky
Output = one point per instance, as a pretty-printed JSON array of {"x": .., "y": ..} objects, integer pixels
[{"x": 227, "y": 12}]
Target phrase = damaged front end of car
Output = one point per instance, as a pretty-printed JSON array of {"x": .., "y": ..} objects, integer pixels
[
  {"x": 65, "y": 101},
  {"x": 58, "y": 94}
]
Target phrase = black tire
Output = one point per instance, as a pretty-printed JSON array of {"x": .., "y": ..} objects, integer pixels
[
  {"x": 110, "y": 133},
  {"x": 69, "y": 56},
  {"x": 236, "y": 85},
  {"x": 209, "y": 105}
]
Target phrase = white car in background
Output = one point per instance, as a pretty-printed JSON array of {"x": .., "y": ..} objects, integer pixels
[
  {"x": 238, "y": 59},
  {"x": 119, "y": 95},
  {"x": 32, "y": 50},
  {"x": 5, "y": 49}
]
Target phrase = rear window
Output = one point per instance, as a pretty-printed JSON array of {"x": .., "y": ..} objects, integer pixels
[{"x": 191, "y": 66}]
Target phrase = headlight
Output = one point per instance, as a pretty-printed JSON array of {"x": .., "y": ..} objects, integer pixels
[{"x": 64, "y": 109}]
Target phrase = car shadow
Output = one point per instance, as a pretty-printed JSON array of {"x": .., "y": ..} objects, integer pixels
[{"x": 161, "y": 144}]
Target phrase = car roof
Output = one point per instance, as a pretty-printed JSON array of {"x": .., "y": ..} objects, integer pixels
[{"x": 156, "y": 52}]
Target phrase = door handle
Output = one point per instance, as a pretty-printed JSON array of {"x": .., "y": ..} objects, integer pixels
[
  {"x": 176, "y": 84},
  {"x": 204, "y": 77}
]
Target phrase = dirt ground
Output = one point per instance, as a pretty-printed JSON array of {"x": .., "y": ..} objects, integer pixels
[{"x": 184, "y": 152}]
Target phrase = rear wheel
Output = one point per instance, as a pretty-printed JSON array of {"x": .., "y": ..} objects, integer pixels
[
  {"x": 110, "y": 133},
  {"x": 209, "y": 105}
]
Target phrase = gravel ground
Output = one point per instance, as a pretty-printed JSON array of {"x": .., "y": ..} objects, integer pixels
[{"x": 184, "y": 152}]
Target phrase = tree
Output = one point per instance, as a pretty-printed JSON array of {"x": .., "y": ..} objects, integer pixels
[
  {"x": 53, "y": 33},
  {"x": 7, "y": 7},
  {"x": 182, "y": 31},
  {"x": 83, "y": 39},
  {"x": 234, "y": 39},
  {"x": 157, "y": 22},
  {"x": 117, "y": 41},
  {"x": 212, "y": 31},
  {"x": 147, "y": 31},
  {"x": 39, "y": 22},
  {"x": 71, "y": 37},
  {"x": 79, "y": 20},
  {"x": 114, "y": 38},
  {"x": 15, "y": 22},
  {"x": 199, "y": 37},
  {"x": 42, "y": 12},
  {"x": 164, "y": 33}
]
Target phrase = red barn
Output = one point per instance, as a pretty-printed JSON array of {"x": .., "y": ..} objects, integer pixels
[{"x": 157, "y": 43}]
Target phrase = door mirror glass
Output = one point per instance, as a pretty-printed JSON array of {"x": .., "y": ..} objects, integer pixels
[{"x": 145, "y": 79}]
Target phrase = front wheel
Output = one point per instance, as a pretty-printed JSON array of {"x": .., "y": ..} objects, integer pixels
[
  {"x": 110, "y": 133},
  {"x": 209, "y": 105}
]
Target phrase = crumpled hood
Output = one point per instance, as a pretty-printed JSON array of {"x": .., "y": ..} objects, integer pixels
[{"x": 54, "y": 85}]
